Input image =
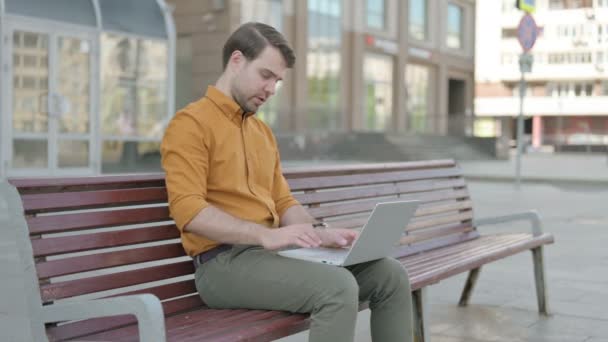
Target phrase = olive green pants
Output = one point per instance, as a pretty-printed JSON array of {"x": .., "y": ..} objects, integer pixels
[{"x": 254, "y": 278}]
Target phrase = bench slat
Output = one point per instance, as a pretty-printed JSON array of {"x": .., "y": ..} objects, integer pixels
[
  {"x": 440, "y": 252},
  {"x": 368, "y": 205},
  {"x": 48, "y": 185},
  {"x": 377, "y": 191},
  {"x": 70, "y": 288},
  {"x": 436, "y": 208},
  {"x": 449, "y": 270},
  {"x": 454, "y": 255},
  {"x": 423, "y": 212},
  {"x": 167, "y": 291},
  {"x": 205, "y": 317},
  {"x": 423, "y": 222},
  {"x": 84, "y": 263},
  {"x": 111, "y": 218},
  {"x": 341, "y": 169},
  {"x": 252, "y": 318},
  {"x": 325, "y": 182},
  {"x": 434, "y": 244},
  {"x": 270, "y": 330},
  {"x": 427, "y": 235},
  {"x": 48, "y": 202},
  {"x": 68, "y": 244},
  {"x": 87, "y": 327}
]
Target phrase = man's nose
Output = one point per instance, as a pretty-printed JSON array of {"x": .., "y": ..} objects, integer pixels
[{"x": 270, "y": 87}]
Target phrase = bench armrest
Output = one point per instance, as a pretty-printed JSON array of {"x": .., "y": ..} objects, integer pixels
[
  {"x": 532, "y": 216},
  {"x": 146, "y": 307}
]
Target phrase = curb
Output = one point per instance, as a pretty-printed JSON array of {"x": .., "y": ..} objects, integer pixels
[{"x": 542, "y": 180}]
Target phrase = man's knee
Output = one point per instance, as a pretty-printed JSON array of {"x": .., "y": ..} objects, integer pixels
[
  {"x": 391, "y": 273},
  {"x": 341, "y": 289}
]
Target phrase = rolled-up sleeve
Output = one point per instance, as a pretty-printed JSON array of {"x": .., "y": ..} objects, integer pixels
[
  {"x": 281, "y": 193},
  {"x": 185, "y": 160}
]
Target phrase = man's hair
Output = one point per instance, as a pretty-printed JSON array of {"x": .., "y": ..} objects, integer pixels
[{"x": 251, "y": 38}]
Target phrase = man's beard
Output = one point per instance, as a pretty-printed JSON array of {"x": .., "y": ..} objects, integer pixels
[{"x": 241, "y": 100}]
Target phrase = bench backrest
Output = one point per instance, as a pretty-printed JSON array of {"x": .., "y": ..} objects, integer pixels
[{"x": 103, "y": 236}]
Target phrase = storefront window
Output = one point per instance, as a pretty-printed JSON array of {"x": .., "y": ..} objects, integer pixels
[
  {"x": 418, "y": 19},
  {"x": 134, "y": 96},
  {"x": 376, "y": 14},
  {"x": 454, "y": 33},
  {"x": 323, "y": 69},
  {"x": 417, "y": 85},
  {"x": 378, "y": 73}
]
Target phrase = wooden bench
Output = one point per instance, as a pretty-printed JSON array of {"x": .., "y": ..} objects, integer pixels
[{"x": 90, "y": 244}]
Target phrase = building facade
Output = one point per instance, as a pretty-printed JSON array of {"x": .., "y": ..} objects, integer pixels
[
  {"x": 362, "y": 65},
  {"x": 86, "y": 87},
  {"x": 566, "y": 103}
]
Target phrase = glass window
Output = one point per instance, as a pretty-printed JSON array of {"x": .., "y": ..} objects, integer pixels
[
  {"x": 130, "y": 156},
  {"x": 73, "y": 153},
  {"x": 323, "y": 59},
  {"x": 133, "y": 103},
  {"x": 418, "y": 19},
  {"x": 30, "y": 153},
  {"x": 73, "y": 83},
  {"x": 417, "y": 84},
  {"x": 376, "y": 14},
  {"x": 30, "y": 99},
  {"x": 556, "y": 4},
  {"x": 378, "y": 73},
  {"x": 265, "y": 11},
  {"x": 269, "y": 12},
  {"x": 454, "y": 37},
  {"x": 134, "y": 89}
]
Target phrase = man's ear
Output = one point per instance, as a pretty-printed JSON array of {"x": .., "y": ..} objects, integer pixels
[{"x": 237, "y": 59}]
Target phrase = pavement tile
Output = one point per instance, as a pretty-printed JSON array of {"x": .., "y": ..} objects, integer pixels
[
  {"x": 570, "y": 325},
  {"x": 484, "y": 323}
]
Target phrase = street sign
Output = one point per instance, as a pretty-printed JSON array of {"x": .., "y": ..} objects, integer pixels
[
  {"x": 528, "y": 6},
  {"x": 527, "y": 31}
]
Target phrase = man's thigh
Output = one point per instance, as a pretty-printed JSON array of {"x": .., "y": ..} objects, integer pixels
[{"x": 255, "y": 278}]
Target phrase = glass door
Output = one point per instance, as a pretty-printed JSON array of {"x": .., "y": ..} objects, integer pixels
[{"x": 51, "y": 116}]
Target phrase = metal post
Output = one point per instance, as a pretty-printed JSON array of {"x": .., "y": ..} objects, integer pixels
[
  {"x": 520, "y": 125},
  {"x": 525, "y": 65}
]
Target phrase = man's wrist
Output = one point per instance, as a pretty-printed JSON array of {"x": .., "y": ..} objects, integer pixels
[
  {"x": 259, "y": 233},
  {"x": 320, "y": 225}
]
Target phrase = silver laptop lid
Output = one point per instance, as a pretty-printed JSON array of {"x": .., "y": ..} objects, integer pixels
[{"x": 382, "y": 231}]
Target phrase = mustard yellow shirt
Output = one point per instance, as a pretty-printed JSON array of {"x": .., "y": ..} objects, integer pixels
[{"x": 212, "y": 154}]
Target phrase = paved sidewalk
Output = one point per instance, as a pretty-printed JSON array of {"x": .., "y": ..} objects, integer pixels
[
  {"x": 503, "y": 305},
  {"x": 539, "y": 167}
]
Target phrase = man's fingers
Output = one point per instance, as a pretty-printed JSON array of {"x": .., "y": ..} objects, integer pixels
[
  {"x": 308, "y": 239},
  {"x": 314, "y": 237},
  {"x": 303, "y": 242}
]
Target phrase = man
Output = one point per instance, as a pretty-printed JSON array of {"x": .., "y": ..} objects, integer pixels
[{"x": 234, "y": 209}]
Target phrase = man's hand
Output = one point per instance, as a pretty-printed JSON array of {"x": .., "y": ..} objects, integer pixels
[
  {"x": 301, "y": 235},
  {"x": 337, "y": 237},
  {"x": 305, "y": 236}
]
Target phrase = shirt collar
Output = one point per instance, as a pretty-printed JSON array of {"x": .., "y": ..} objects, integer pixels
[{"x": 227, "y": 105}]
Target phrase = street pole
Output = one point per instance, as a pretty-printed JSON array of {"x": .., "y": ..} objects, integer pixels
[
  {"x": 525, "y": 65},
  {"x": 520, "y": 123},
  {"x": 527, "y": 31}
]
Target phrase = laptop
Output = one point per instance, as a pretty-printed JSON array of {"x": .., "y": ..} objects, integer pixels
[{"x": 377, "y": 240}]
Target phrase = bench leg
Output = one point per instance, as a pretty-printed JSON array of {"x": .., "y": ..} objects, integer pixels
[
  {"x": 469, "y": 286},
  {"x": 539, "y": 277},
  {"x": 419, "y": 303}
]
